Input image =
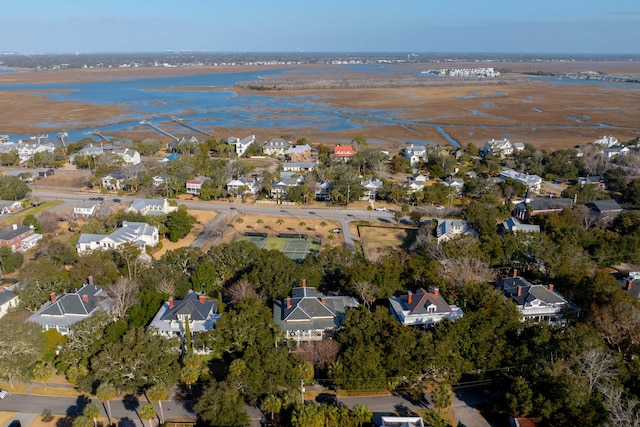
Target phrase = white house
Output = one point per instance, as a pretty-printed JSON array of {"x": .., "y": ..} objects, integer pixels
[
  {"x": 322, "y": 190},
  {"x": 242, "y": 144},
  {"x": 448, "y": 229},
  {"x": 195, "y": 185},
  {"x": 606, "y": 141},
  {"x": 415, "y": 154},
  {"x": 172, "y": 317},
  {"x": 616, "y": 151},
  {"x": 371, "y": 188},
  {"x": 113, "y": 180},
  {"x": 86, "y": 210},
  {"x": 500, "y": 148},
  {"x": 151, "y": 207},
  {"x": 423, "y": 308},
  {"x": 128, "y": 155},
  {"x": 532, "y": 182},
  {"x": 537, "y": 303},
  {"x": 139, "y": 233},
  {"x": 276, "y": 147},
  {"x": 8, "y": 300},
  {"x": 243, "y": 185}
]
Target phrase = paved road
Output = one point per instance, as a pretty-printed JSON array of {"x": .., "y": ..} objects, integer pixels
[
  {"x": 124, "y": 410},
  {"x": 344, "y": 216}
]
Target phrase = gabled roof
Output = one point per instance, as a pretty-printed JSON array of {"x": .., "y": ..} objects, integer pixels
[
  {"x": 299, "y": 149},
  {"x": 422, "y": 300},
  {"x": 6, "y": 295},
  {"x": 344, "y": 151},
  {"x": 529, "y": 292},
  {"x": 307, "y": 309},
  {"x": 191, "y": 306},
  {"x": 602, "y": 206},
  {"x": 514, "y": 225},
  {"x": 546, "y": 204},
  {"x": 10, "y": 233}
]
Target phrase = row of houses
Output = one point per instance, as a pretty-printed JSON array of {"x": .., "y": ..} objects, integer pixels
[{"x": 306, "y": 314}]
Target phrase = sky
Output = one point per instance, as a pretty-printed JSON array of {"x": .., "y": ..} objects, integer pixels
[{"x": 422, "y": 26}]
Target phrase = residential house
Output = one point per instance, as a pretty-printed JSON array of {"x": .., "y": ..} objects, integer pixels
[
  {"x": 172, "y": 317},
  {"x": 280, "y": 189},
  {"x": 128, "y": 155},
  {"x": 322, "y": 191},
  {"x": 423, "y": 308},
  {"x": 514, "y": 225},
  {"x": 616, "y": 151},
  {"x": 26, "y": 151},
  {"x": 19, "y": 237},
  {"x": 631, "y": 284},
  {"x": 161, "y": 179},
  {"x": 456, "y": 183},
  {"x": 195, "y": 185},
  {"x": 308, "y": 315},
  {"x": 500, "y": 148},
  {"x": 140, "y": 234},
  {"x": 63, "y": 311},
  {"x": 21, "y": 175},
  {"x": 299, "y": 153},
  {"x": 415, "y": 154},
  {"x": 607, "y": 208},
  {"x": 344, "y": 152},
  {"x": 371, "y": 188},
  {"x": 592, "y": 180},
  {"x": 242, "y": 144},
  {"x": 86, "y": 210},
  {"x": 276, "y": 147},
  {"x": 243, "y": 185},
  {"x": 299, "y": 166},
  {"x": 606, "y": 141},
  {"x": 532, "y": 207},
  {"x": 156, "y": 207},
  {"x": 8, "y": 300},
  {"x": 114, "y": 180},
  {"x": 9, "y": 206},
  {"x": 447, "y": 229},
  {"x": 536, "y": 303},
  {"x": 532, "y": 182},
  {"x": 416, "y": 182}
]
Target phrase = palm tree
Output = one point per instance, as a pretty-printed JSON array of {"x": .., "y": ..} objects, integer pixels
[
  {"x": 92, "y": 411},
  {"x": 442, "y": 396},
  {"x": 158, "y": 393},
  {"x": 272, "y": 404},
  {"x": 323, "y": 225},
  {"x": 280, "y": 221},
  {"x": 362, "y": 415},
  {"x": 147, "y": 412},
  {"x": 259, "y": 222},
  {"x": 302, "y": 224},
  {"x": 106, "y": 392},
  {"x": 42, "y": 372},
  {"x": 82, "y": 421}
]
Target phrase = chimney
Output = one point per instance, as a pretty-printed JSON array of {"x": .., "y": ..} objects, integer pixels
[
  {"x": 409, "y": 297},
  {"x": 629, "y": 284},
  {"x": 515, "y": 272},
  {"x": 288, "y": 302},
  {"x": 170, "y": 303},
  {"x": 15, "y": 226},
  {"x": 53, "y": 296},
  {"x": 304, "y": 283},
  {"x": 519, "y": 294},
  {"x": 324, "y": 300},
  {"x": 202, "y": 298},
  {"x": 85, "y": 298},
  {"x": 551, "y": 287},
  {"x": 1, "y": 289},
  {"x": 436, "y": 292},
  {"x": 90, "y": 280}
]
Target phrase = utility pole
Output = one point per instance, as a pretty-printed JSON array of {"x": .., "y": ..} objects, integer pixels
[{"x": 302, "y": 391}]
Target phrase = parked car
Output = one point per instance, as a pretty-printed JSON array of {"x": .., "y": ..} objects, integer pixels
[
  {"x": 15, "y": 423},
  {"x": 116, "y": 200},
  {"x": 327, "y": 399},
  {"x": 381, "y": 208},
  {"x": 337, "y": 230},
  {"x": 3, "y": 393}
]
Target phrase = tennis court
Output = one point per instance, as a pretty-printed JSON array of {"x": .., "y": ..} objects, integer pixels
[{"x": 295, "y": 248}]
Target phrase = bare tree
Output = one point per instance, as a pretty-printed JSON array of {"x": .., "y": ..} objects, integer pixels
[
  {"x": 593, "y": 159},
  {"x": 467, "y": 270},
  {"x": 166, "y": 286},
  {"x": 125, "y": 293},
  {"x": 595, "y": 365},
  {"x": 320, "y": 353},
  {"x": 619, "y": 326},
  {"x": 623, "y": 411},
  {"x": 48, "y": 222},
  {"x": 367, "y": 292},
  {"x": 243, "y": 289}
]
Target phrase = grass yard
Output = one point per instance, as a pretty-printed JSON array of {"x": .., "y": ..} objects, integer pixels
[
  {"x": 18, "y": 217},
  {"x": 380, "y": 240},
  {"x": 295, "y": 248}
]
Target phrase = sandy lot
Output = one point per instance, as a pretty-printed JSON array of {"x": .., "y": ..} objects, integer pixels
[{"x": 544, "y": 114}]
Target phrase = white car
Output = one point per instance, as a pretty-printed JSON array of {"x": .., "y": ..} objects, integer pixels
[
  {"x": 381, "y": 208},
  {"x": 3, "y": 393},
  {"x": 337, "y": 230}
]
